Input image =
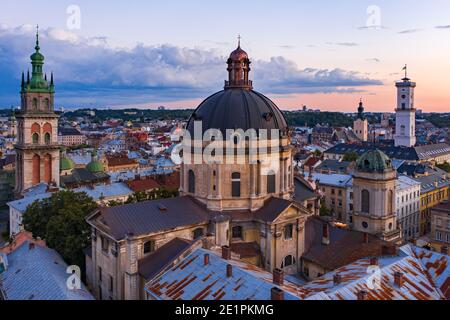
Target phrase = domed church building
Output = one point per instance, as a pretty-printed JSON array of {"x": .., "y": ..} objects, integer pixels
[
  {"x": 243, "y": 181},
  {"x": 243, "y": 202}
]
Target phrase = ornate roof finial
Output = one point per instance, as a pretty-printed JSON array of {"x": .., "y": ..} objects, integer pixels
[
  {"x": 37, "y": 38},
  {"x": 405, "y": 68},
  {"x": 239, "y": 41}
]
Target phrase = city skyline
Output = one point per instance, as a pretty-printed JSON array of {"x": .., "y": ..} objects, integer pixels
[{"x": 297, "y": 59}]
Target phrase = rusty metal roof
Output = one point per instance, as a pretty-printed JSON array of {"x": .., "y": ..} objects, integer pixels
[
  {"x": 191, "y": 279},
  {"x": 426, "y": 277}
]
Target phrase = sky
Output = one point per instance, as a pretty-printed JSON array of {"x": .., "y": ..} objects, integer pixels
[{"x": 138, "y": 53}]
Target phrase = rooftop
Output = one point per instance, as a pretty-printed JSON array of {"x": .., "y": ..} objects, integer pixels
[{"x": 37, "y": 273}]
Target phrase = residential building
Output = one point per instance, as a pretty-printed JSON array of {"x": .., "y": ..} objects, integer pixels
[
  {"x": 440, "y": 227},
  {"x": 68, "y": 137},
  {"x": 408, "y": 206},
  {"x": 336, "y": 190}
]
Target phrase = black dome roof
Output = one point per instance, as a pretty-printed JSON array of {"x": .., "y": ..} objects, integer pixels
[{"x": 238, "y": 108}]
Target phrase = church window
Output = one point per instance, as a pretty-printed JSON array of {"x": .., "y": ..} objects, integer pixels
[
  {"x": 105, "y": 244},
  {"x": 35, "y": 103},
  {"x": 149, "y": 246},
  {"x": 47, "y": 138},
  {"x": 402, "y": 130},
  {"x": 288, "y": 261},
  {"x": 365, "y": 201},
  {"x": 198, "y": 233},
  {"x": 288, "y": 232},
  {"x": 236, "y": 184},
  {"x": 35, "y": 138},
  {"x": 365, "y": 225},
  {"x": 237, "y": 232},
  {"x": 191, "y": 181},
  {"x": 271, "y": 183}
]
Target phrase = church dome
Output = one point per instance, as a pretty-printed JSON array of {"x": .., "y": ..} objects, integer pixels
[
  {"x": 66, "y": 164},
  {"x": 373, "y": 161},
  {"x": 238, "y": 109},
  {"x": 238, "y": 54},
  {"x": 238, "y": 106},
  {"x": 95, "y": 166}
]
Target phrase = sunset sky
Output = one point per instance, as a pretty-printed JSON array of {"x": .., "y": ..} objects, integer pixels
[{"x": 323, "y": 54}]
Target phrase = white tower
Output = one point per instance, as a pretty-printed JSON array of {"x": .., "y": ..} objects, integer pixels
[{"x": 405, "y": 123}]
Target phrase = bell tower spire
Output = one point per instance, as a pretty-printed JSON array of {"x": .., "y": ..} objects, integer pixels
[{"x": 238, "y": 69}]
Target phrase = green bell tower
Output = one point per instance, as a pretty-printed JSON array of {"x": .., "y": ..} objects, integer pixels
[{"x": 37, "y": 148}]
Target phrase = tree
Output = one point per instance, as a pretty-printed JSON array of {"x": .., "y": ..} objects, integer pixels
[
  {"x": 60, "y": 221},
  {"x": 317, "y": 153},
  {"x": 444, "y": 166},
  {"x": 155, "y": 194},
  {"x": 350, "y": 156},
  {"x": 324, "y": 211}
]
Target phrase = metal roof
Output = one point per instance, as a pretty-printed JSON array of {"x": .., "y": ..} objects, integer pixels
[
  {"x": 38, "y": 274},
  {"x": 147, "y": 217}
]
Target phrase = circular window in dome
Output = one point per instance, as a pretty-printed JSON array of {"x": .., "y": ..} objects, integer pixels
[
  {"x": 403, "y": 96},
  {"x": 365, "y": 225}
]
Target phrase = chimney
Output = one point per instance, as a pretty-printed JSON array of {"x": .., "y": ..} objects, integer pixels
[
  {"x": 337, "y": 279},
  {"x": 278, "y": 277},
  {"x": 365, "y": 237},
  {"x": 362, "y": 295},
  {"x": 444, "y": 250},
  {"x": 276, "y": 294},
  {"x": 389, "y": 250},
  {"x": 226, "y": 253},
  {"x": 326, "y": 234},
  {"x": 229, "y": 270},
  {"x": 399, "y": 279},
  {"x": 374, "y": 261},
  {"x": 206, "y": 259},
  {"x": 31, "y": 246}
]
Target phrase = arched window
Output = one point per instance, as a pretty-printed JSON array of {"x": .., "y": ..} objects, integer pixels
[
  {"x": 35, "y": 103},
  {"x": 35, "y": 138},
  {"x": 36, "y": 169},
  {"x": 236, "y": 184},
  {"x": 47, "y": 104},
  {"x": 365, "y": 201},
  {"x": 288, "y": 261},
  {"x": 149, "y": 246},
  {"x": 198, "y": 233},
  {"x": 48, "y": 168},
  {"x": 237, "y": 232},
  {"x": 191, "y": 181},
  {"x": 271, "y": 183},
  {"x": 47, "y": 138}
]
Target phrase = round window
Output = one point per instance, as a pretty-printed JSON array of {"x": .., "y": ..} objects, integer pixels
[
  {"x": 403, "y": 96},
  {"x": 365, "y": 225}
]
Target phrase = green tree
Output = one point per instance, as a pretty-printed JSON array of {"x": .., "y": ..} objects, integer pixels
[
  {"x": 324, "y": 211},
  {"x": 444, "y": 166},
  {"x": 60, "y": 220},
  {"x": 350, "y": 157}
]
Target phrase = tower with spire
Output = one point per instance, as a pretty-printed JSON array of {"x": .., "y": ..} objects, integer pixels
[
  {"x": 361, "y": 125},
  {"x": 239, "y": 69},
  {"x": 405, "y": 114},
  {"x": 37, "y": 149}
]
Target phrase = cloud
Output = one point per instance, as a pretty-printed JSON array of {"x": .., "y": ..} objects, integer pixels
[
  {"x": 373, "y": 60},
  {"x": 90, "y": 72},
  {"x": 443, "y": 27},
  {"x": 409, "y": 31},
  {"x": 343, "y": 44}
]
